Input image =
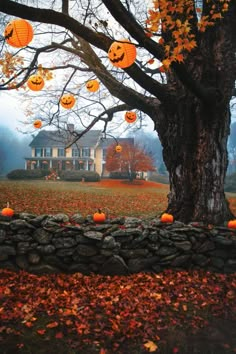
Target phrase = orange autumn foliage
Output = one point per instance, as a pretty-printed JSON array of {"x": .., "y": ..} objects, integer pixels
[{"x": 179, "y": 21}]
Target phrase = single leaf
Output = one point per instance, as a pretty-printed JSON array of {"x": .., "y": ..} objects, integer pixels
[{"x": 151, "y": 346}]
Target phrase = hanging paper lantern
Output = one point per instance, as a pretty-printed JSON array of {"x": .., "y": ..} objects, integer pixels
[
  {"x": 122, "y": 54},
  {"x": 18, "y": 33},
  {"x": 37, "y": 124},
  {"x": 130, "y": 117},
  {"x": 35, "y": 82},
  {"x": 67, "y": 101},
  {"x": 92, "y": 85},
  {"x": 118, "y": 148}
]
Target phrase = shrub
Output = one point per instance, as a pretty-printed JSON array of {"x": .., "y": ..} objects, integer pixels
[
  {"x": 88, "y": 176},
  {"x": 230, "y": 183},
  {"x": 27, "y": 174},
  {"x": 119, "y": 175}
]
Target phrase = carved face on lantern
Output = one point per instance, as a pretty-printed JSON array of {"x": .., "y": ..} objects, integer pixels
[
  {"x": 118, "y": 148},
  {"x": 37, "y": 124},
  {"x": 122, "y": 54},
  {"x": 18, "y": 33},
  {"x": 92, "y": 85},
  {"x": 130, "y": 117},
  {"x": 35, "y": 82},
  {"x": 67, "y": 101}
]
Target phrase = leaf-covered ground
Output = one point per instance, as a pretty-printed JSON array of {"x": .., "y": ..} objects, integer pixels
[
  {"x": 141, "y": 198},
  {"x": 140, "y": 313},
  {"x": 170, "y": 312}
]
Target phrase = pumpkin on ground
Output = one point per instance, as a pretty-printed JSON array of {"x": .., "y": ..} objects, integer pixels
[
  {"x": 167, "y": 218},
  {"x": 7, "y": 211},
  {"x": 99, "y": 216},
  {"x": 18, "y": 33},
  {"x": 122, "y": 54}
]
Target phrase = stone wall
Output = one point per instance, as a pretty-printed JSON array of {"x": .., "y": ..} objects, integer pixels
[{"x": 49, "y": 244}]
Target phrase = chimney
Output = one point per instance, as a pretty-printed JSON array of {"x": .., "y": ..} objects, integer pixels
[{"x": 70, "y": 128}]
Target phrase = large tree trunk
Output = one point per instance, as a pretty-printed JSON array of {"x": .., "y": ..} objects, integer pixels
[{"x": 194, "y": 139}]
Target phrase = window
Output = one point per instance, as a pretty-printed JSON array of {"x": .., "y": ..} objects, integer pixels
[
  {"x": 86, "y": 152},
  {"x": 38, "y": 152},
  {"x": 47, "y": 152},
  {"x": 61, "y": 152},
  {"x": 104, "y": 153},
  {"x": 75, "y": 152}
]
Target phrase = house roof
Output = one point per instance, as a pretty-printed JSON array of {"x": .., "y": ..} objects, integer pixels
[
  {"x": 49, "y": 138},
  {"x": 109, "y": 141}
]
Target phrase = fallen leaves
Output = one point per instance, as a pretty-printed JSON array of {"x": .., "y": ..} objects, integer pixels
[
  {"x": 151, "y": 346},
  {"x": 96, "y": 308},
  {"x": 120, "y": 197}
]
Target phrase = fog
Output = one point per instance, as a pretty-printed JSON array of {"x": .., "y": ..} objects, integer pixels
[{"x": 13, "y": 150}]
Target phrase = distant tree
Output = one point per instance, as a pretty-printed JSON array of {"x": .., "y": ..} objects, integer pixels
[
  {"x": 12, "y": 150},
  {"x": 130, "y": 160},
  {"x": 232, "y": 149}
]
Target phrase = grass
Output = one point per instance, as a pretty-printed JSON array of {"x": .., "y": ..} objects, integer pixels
[{"x": 214, "y": 331}]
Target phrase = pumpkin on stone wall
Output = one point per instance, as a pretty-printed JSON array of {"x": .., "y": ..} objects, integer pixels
[
  {"x": 7, "y": 211},
  {"x": 99, "y": 216}
]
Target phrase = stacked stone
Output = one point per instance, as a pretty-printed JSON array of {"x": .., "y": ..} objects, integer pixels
[{"x": 57, "y": 243}]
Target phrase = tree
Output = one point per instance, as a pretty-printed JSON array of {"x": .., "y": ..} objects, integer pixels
[
  {"x": 193, "y": 42},
  {"x": 130, "y": 160}
]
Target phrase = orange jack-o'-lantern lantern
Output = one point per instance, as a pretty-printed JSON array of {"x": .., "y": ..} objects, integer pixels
[
  {"x": 7, "y": 211},
  {"x": 167, "y": 218},
  {"x": 118, "y": 148},
  {"x": 37, "y": 124},
  {"x": 232, "y": 224},
  {"x": 122, "y": 54},
  {"x": 92, "y": 85},
  {"x": 67, "y": 101},
  {"x": 18, "y": 33},
  {"x": 130, "y": 117},
  {"x": 35, "y": 82},
  {"x": 99, "y": 216}
]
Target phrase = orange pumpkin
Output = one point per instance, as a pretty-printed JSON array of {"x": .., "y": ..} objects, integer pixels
[
  {"x": 99, "y": 216},
  {"x": 92, "y": 85},
  {"x": 18, "y": 33},
  {"x": 35, "y": 82},
  {"x": 67, "y": 101},
  {"x": 37, "y": 124},
  {"x": 130, "y": 117},
  {"x": 232, "y": 224},
  {"x": 118, "y": 148},
  {"x": 122, "y": 54},
  {"x": 167, "y": 218},
  {"x": 7, "y": 211}
]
